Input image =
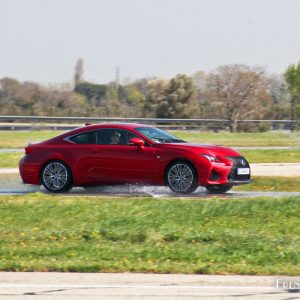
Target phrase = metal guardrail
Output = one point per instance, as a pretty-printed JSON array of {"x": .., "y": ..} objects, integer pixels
[
  {"x": 41, "y": 122},
  {"x": 154, "y": 120},
  {"x": 93, "y": 119}
]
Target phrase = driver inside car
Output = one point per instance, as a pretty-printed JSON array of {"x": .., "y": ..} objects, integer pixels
[{"x": 115, "y": 138}]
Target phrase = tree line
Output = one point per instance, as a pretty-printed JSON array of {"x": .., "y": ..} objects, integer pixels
[{"x": 231, "y": 92}]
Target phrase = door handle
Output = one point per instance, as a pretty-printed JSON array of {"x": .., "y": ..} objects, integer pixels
[{"x": 96, "y": 150}]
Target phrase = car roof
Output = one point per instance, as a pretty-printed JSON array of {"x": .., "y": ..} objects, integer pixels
[
  {"x": 90, "y": 127},
  {"x": 113, "y": 125}
]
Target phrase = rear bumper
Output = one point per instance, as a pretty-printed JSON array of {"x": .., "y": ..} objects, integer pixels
[{"x": 29, "y": 172}]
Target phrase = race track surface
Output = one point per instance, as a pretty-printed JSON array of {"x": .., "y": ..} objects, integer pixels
[
  {"x": 124, "y": 286},
  {"x": 10, "y": 183}
]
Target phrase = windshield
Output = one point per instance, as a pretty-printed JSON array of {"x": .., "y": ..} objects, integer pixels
[{"x": 158, "y": 136}]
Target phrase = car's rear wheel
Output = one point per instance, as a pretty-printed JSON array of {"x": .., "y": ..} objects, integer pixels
[
  {"x": 219, "y": 189},
  {"x": 56, "y": 176},
  {"x": 181, "y": 177}
]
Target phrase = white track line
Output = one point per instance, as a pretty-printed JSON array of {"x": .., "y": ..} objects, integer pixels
[
  {"x": 9, "y": 170},
  {"x": 196, "y": 287}
]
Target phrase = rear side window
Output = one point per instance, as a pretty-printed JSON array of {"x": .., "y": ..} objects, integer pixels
[
  {"x": 84, "y": 138},
  {"x": 106, "y": 136}
]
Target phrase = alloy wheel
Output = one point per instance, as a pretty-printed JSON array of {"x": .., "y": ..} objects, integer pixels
[
  {"x": 180, "y": 177},
  {"x": 55, "y": 176}
]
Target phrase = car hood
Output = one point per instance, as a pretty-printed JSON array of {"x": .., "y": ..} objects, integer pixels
[{"x": 202, "y": 149}]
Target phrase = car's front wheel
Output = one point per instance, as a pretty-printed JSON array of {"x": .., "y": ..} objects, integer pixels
[
  {"x": 56, "y": 177},
  {"x": 219, "y": 189},
  {"x": 181, "y": 177}
]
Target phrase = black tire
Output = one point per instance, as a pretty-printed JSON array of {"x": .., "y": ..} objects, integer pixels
[
  {"x": 56, "y": 176},
  {"x": 181, "y": 177},
  {"x": 219, "y": 189}
]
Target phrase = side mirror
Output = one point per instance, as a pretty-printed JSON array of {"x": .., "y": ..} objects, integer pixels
[{"x": 137, "y": 142}]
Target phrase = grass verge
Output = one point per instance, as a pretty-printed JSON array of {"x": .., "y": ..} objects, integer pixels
[
  {"x": 271, "y": 184},
  {"x": 265, "y": 139},
  {"x": 272, "y": 156},
  {"x": 11, "y": 160},
  {"x": 19, "y": 139},
  {"x": 88, "y": 234}
]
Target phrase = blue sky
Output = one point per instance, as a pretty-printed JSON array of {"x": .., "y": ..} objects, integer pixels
[{"x": 40, "y": 40}]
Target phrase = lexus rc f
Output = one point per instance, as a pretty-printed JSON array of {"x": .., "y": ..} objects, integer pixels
[{"x": 104, "y": 154}]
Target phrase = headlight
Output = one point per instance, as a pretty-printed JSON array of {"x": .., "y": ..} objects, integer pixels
[{"x": 212, "y": 159}]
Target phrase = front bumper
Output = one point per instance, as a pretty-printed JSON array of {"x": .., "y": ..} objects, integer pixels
[
  {"x": 236, "y": 182},
  {"x": 233, "y": 176},
  {"x": 227, "y": 173}
]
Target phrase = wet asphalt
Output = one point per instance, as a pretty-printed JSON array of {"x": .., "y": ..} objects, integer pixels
[{"x": 11, "y": 184}]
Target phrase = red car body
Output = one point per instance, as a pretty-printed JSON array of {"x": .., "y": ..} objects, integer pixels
[{"x": 140, "y": 160}]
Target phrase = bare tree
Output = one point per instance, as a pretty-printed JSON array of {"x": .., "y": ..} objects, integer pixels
[{"x": 240, "y": 90}]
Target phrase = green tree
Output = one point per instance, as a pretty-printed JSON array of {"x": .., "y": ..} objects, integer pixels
[
  {"x": 8, "y": 90},
  {"x": 94, "y": 93},
  {"x": 280, "y": 107},
  {"x": 292, "y": 77},
  {"x": 170, "y": 99},
  {"x": 177, "y": 96},
  {"x": 113, "y": 107},
  {"x": 135, "y": 100},
  {"x": 155, "y": 95}
]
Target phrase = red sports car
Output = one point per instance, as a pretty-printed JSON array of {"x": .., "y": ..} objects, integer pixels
[{"x": 131, "y": 154}]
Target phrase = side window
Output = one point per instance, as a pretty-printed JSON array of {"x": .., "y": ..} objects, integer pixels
[
  {"x": 84, "y": 138},
  {"x": 112, "y": 136}
]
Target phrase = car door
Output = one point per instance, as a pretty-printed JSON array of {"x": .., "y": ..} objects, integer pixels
[{"x": 120, "y": 163}]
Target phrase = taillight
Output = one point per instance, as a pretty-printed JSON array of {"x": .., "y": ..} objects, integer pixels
[{"x": 28, "y": 149}]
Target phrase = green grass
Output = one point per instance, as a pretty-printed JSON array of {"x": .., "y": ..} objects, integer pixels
[
  {"x": 89, "y": 234},
  {"x": 19, "y": 139},
  {"x": 241, "y": 139},
  {"x": 270, "y": 184},
  {"x": 11, "y": 160},
  {"x": 272, "y": 156}
]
